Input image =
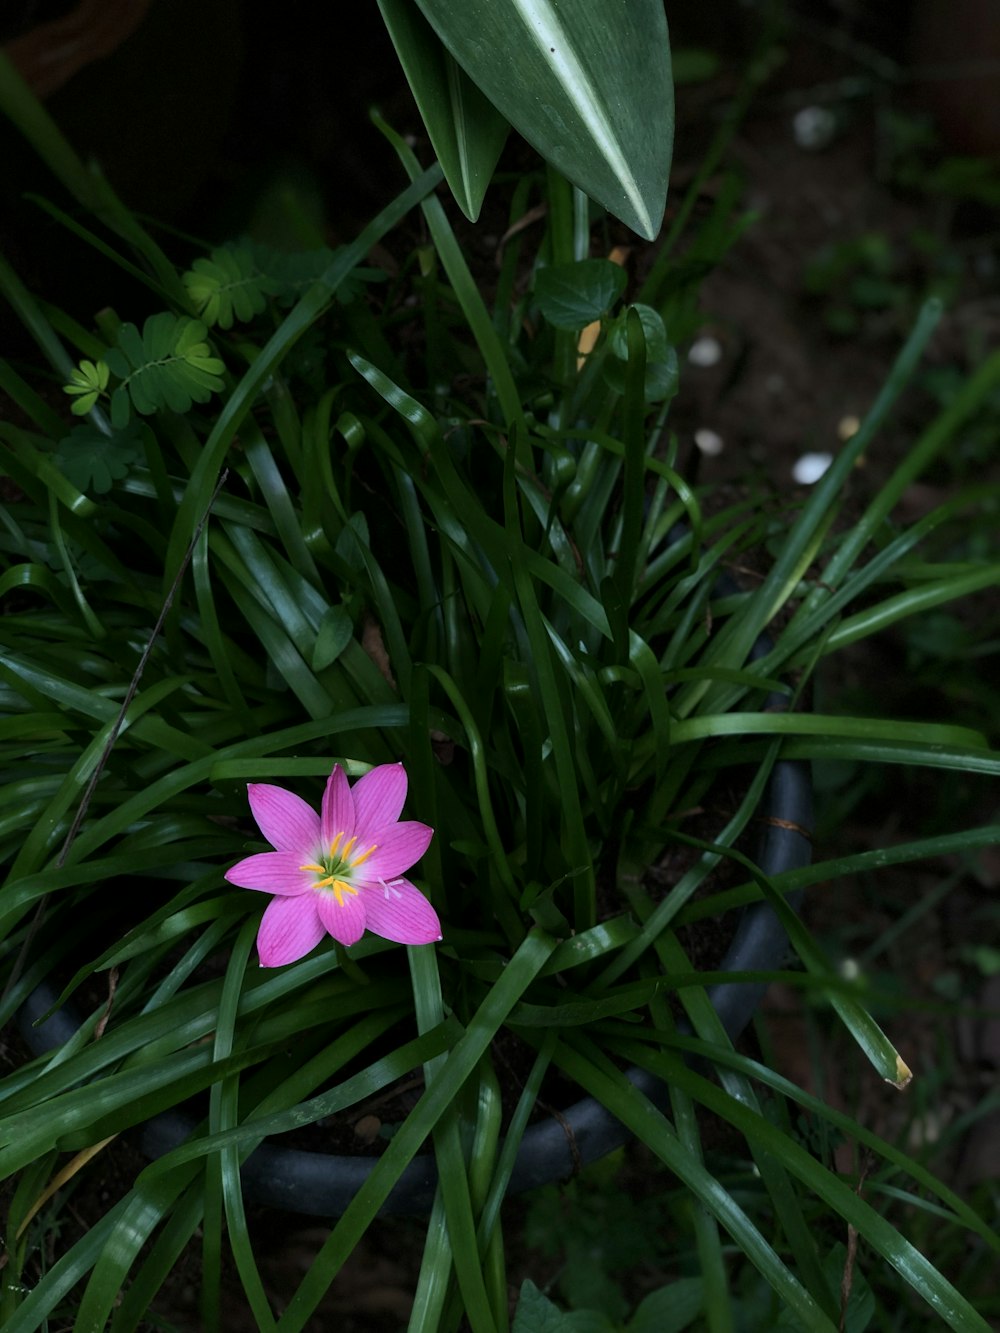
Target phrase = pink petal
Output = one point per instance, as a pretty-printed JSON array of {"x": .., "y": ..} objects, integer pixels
[
  {"x": 378, "y": 799},
  {"x": 285, "y": 820},
  {"x": 338, "y": 808},
  {"x": 400, "y": 912},
  {"x": 272, "y": 872},
  {"x": 346, "y": 921},
  {"x": 290, "y": 929},
  {"x": 400, "y": 847}
]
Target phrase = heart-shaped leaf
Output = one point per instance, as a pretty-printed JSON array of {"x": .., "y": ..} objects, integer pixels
[{"x": 573, "y": 295}]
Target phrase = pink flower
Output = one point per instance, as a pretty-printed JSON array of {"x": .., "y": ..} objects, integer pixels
[{"x": 339, "y": 871}]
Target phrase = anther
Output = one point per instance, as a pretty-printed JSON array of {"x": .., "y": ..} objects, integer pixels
[
  {"x": 364, "y": 855},
  {"x": 340, "y": 887}
]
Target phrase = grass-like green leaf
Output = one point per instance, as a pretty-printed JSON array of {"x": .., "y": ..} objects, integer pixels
[
  {"x": 925, "y": 1279},
  {"x": 521, "y": 970},
  {"x": 635, "y": 1110}
]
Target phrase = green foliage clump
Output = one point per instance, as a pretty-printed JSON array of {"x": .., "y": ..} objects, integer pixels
[
  {"x": 501, "y": 578},
  {"x": 170, "y": 364}
]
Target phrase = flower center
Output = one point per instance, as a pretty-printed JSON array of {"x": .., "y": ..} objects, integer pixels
[{"x": 336, "y": 869}]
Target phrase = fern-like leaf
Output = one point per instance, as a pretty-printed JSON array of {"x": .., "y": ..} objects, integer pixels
[
  {"x": 86, "y": 384},
  {"x": 235, "y": 280},
  {"x": 290, "y": 273},
  {"x": 93, "y": 461},
  {"x": 168, "y": 365},
  {"x": 227, "y": 286}
]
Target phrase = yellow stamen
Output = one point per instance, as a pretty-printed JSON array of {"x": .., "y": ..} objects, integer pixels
[
  {"x": 330, "y": 872},
  {"x": 364, "y": 855},
  {"x": 340, "y": 887}
]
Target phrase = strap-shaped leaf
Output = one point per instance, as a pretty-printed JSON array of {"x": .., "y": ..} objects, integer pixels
[
  {"x": 466, "y": 131},
  {"x": 588, "y": 84}
]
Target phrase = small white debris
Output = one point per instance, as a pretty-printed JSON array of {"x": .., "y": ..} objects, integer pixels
[
  {"x": 810, "y": 467},
  {"x": 708, "y": 442},
  {"x": 927, "y": 1128},
  {"x": 814, "y": 127},
  {"x": 849, "y": 969},
  {"x": 705, "y": 351}
]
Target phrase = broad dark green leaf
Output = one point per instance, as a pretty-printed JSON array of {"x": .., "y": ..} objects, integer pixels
[
  {"x": 573, "y": 295},
  {"x": 537, "y": 1314},
  {"x": 466, "y": 130},
  {"x": 669, "y": 1309},
  {"x": 588, "y": 85},
  {"x": 657, "y": 346},
  {"x": 335, "y": 633},
  {"x": 661, "y": 375}
]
